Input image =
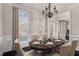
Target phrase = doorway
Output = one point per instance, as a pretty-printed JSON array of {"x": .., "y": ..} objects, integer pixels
[{"x": 63, "y": 26}]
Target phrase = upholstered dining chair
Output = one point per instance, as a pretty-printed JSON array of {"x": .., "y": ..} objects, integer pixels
[
  {"x": 34, "y": 37},
  {"x": 69, "y": 49},
  {"x": 73, "y": 47},
  {"x": 65, "y": 49},
  {"x": 18, "y": 48},
  {"x": 45, "y": 36},
  {"x": 20, "y": 51}
]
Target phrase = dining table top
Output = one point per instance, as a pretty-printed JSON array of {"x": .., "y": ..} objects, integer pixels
[{"x": 44, "y": 45}]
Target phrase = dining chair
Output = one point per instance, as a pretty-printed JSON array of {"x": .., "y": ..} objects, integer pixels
[
  {"x": 20, "y": 51},
  {"x": 44, "y": 36},
  {"x": 18, "y": 48},
  {"x": 34, "y": 37},
  {"x": 65, "y": 49},
  {"x": 59, "y": 47},
  {"x": 73, "y": 47}
]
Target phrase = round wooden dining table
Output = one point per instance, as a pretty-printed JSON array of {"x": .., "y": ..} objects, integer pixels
[{"x": 45, "y": 48}]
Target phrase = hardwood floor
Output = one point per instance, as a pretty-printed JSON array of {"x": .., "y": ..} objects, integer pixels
[
  {"x": 76, "y": 53},
  {"x": 13, "y": 52}
]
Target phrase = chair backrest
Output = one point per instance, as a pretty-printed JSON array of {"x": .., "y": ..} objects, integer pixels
[
  {"x": 45, "y": 35},
  {"x": 34, "y": 37},
  {"x": 18, "y": 48},
  {"x": 73, "y": 47},
  {"x": 65, "y": 49}
]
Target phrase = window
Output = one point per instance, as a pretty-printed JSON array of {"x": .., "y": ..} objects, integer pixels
[{"x": 23, "y": 24}]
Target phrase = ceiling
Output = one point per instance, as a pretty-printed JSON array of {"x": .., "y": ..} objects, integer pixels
[{"x": 60, "y": 6}]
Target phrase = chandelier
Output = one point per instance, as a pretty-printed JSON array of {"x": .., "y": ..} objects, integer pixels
[{"x": 48, "y": 11}]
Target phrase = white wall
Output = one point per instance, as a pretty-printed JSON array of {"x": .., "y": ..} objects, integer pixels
[
  {"x": 0, "y": 28},
  {"x": 75, "y": 24},
  {"x": 0, "y": 20},
  {"x": 5, "y": 28},
  {"x": 75, "y": 20},
  {"x": 7, "y": 20}
]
